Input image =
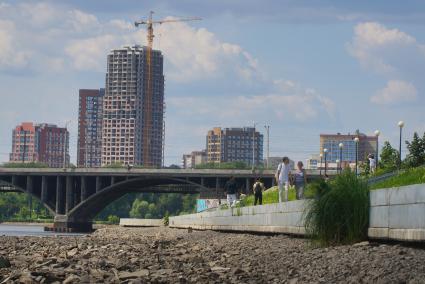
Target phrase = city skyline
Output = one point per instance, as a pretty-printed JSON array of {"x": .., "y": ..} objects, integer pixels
[{"x": 303, "y": 69}]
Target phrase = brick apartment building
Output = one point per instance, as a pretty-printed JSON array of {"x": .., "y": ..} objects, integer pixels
[{"x": 45, "y": 143}]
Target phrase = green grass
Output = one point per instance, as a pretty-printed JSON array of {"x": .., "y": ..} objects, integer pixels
[
  {"x": 271, "y": 195},
  {"x": 340, "y": 213},
  {"x": 407, "y": 177}
]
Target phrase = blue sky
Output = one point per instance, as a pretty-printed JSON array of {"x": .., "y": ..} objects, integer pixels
[{"x": 303, "y": 67}]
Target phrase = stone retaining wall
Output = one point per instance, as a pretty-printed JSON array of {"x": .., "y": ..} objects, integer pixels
[
  {"x": 274, "y": 218},
  {"x": 395, "y": 214},
  {"x": 398, "y": 213}
]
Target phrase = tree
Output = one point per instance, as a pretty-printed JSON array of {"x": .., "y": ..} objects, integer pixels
[
  {"x": 389, "y": 157},
  {"x": 139, "y": 208},
  {"x": 416, "y": 156}
]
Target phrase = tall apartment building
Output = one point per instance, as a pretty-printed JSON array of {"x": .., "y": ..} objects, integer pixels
[
  {"x": 124, "y": 120},
  {"x": 367, "y": 145},
  {"x": 193, "y": 159},
  {"x": 24, "y": 145},
  {"x": 234, "y": 145},
  {"x": 45, "y": 143},
  {"x": 89, "y": 144}
]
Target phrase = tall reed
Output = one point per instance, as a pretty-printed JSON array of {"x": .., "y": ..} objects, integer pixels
[{"x": 340, "y": 212}]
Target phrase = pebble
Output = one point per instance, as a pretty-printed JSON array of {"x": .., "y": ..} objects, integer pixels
[{"x": 164, "y": 255}]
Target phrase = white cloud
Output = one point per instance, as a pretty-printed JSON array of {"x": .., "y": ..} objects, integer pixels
[
  {"x": 10, "y": 53},
  {"x": 38, "y": 14},
  {"x": 396, "y": 91},
  {"x": 83, "y": 41},
  {"x": 377, "y": 47},
  {"x": 90, "y": 54},
  {"x": 81, "y": 21},
  {"x": 295, "y": 104},
  {"x": 198, "y": 53}
]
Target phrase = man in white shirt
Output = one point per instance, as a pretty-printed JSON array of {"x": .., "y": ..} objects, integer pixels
[
  {"x": 282, "y": 178},
  {"x": 372, "y": 163}
]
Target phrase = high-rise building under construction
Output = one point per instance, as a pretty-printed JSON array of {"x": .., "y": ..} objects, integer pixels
[{"x": 133, "y": 108}]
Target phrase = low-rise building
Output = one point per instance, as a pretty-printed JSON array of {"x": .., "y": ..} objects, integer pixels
[
  {"x": 234, "y": 145},
  {"x": 366, "y": 145},
  {"x": 190, "y": 161}
]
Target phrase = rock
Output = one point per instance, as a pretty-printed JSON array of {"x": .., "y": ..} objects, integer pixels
[
  {"x": 135, "y": 274},
  {"x": 71, "y": 279},
  {"x": 4, "y": 262},
  {"x": 72, "y": 252},
  {"x": 219, "y": 269},
  {"x": 25, "y": 279},
  {"x": 365, "y": 243}
]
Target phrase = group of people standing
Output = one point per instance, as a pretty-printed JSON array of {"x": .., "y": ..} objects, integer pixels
[{"x": 284, "y": 178}]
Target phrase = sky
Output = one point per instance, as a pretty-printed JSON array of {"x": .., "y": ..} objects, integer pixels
[{"x": 301, "y": 67}]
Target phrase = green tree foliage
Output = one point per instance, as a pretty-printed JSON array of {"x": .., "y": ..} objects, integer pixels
[
  {"x": 416, "y": 147},
  {"x": 226, "y": 165},
  {"x": 139, "y": 209},
  {"x": 120, "y": 207},
  {"x": 25, "y": 165},
  {"x": 117, "y": 165},
  {"x": 15, "y": 206},
  {"x": 150, "y": 205},
  {"x": 389, "y": 157},
  {"x": 340, "y": 213},
  {"x": 113, "y": 219}
]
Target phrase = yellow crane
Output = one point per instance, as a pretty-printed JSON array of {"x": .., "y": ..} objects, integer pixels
[{"x": 147, "y": 112}]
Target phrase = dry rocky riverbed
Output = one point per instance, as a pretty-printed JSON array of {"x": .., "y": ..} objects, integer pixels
[{"x": 163, "y": 255}]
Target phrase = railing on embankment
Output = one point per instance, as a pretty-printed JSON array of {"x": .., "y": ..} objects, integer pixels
[{"x": 395, "y": 214}]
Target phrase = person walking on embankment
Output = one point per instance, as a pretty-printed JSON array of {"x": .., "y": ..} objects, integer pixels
[
  {"x": 300, "y": 180},
  {"x": 231, "y": 188},
  {"x": 258, "y": 189},
  {"x": 282, "y": 178}
]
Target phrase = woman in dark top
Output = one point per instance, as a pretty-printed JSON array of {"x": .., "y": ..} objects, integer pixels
[{"x": 300, "y": 180}]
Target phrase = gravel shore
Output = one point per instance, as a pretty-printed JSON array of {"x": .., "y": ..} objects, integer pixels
[{"x": 164, "y": 255}]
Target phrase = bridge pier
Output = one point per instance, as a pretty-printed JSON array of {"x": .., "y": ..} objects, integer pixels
[
  {"x": 83, "y": 188},
  {"x": 63, "y": 223},
  {"x": 59, "y": 196},
  {"x": 69, "y": 196},
  {"x": 44, "y": 189},
  {"x": 98, "y": 183}
]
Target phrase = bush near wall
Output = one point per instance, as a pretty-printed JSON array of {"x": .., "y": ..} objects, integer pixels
[{"x": 340, "y": 212}]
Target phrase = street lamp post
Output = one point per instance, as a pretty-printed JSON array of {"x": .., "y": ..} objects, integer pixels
[
  {"x": 253, "y": 149},
  {"x": 267, "y": 127},
  {"x": 337, "y": 161},
  {"x": 326, "y": 152},
  {"x": 377, "y": 133},
  {"x": 320, "y": 167},
  {"x": 340, "y": 156},
  {"x": 400, "y": 125},
  {"x": 357, "y": 153}
]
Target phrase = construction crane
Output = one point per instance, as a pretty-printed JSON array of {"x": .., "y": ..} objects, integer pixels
[{"x": 147, "y": 112}]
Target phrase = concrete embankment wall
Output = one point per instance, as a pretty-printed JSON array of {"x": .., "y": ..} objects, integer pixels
[
  {"x": 398, "y": 213},
  {"x": 132, "y": 222},
  {"x": 395, "y": 214},
  {"x": 274, "y": 218}
]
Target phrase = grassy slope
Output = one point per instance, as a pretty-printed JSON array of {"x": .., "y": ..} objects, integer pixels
[
  {"x": 408, "y": 177},
  {"x": 271, "y": 196}
]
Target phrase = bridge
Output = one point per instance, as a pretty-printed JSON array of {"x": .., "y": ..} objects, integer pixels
[{"x": 75, "y": 196}]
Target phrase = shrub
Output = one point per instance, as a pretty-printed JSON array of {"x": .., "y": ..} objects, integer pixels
[
  {"x": 340, "y": 212},
  {"x": 112, "y": 219},
  {"x": 166, "y": 219}
]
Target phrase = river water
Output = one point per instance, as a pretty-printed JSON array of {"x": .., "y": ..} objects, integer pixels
[{"x": 29, "y": 230}]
